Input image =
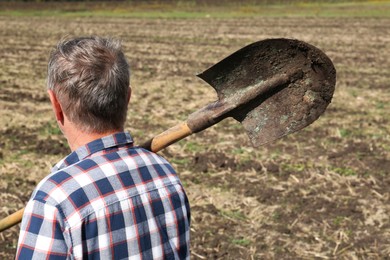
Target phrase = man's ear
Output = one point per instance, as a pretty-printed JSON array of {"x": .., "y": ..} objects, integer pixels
[{"x": 56, "y": 107}]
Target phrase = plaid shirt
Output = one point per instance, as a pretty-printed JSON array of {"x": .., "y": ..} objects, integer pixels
[{"x": 107, "y": 200}]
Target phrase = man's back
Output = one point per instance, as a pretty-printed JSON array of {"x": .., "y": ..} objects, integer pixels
[{"x": 108, "y": 200}]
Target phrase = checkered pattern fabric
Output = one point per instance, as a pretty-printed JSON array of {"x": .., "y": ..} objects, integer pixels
[{"x": 107, "y": 200}]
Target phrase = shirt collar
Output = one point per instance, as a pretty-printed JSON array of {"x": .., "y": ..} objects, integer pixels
[{"x": 110, "y": 141}]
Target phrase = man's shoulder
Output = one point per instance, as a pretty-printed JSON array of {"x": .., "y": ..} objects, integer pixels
[
  {"x": 95, "y": 175},
  {"x": 49, "y": 189}
]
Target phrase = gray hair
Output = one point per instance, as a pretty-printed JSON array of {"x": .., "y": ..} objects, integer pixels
[{"x": 90, "y": 77}]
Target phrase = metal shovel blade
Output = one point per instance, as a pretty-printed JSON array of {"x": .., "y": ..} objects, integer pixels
[{"x": 286, "y": 108}]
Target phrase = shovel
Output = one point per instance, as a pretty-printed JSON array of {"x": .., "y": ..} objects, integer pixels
[{"x": 272, "y": 87}]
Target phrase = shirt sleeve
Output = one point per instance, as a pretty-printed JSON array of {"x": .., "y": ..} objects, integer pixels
[{"x": 41, "y": 234}]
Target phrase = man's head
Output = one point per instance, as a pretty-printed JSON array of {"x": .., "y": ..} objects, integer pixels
[{"x": 90, "y": 78}]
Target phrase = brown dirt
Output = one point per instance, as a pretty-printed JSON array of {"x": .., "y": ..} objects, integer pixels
[{"x": 321, "y": 193}]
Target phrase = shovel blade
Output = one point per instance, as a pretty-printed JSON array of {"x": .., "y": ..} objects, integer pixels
[{"x": 287, "y": 108}]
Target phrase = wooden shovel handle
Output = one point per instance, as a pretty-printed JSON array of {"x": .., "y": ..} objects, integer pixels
[
  {"x": 168, "y": 137},
  {"x": 11, "y": 220},
  {"x": 156, "y": 144}
]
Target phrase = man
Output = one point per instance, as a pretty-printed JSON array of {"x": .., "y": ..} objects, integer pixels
[{"x": 107, "y": 199}]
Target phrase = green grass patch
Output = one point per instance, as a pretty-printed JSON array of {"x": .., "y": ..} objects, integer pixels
[
  {"x": 344, "y": 133},
  {"x": 293, "y": 167},
  {"x": 180, "y": 161},
  {"x": 380, "y": 105},
  {"x": 339, "y": 220},
  {"x": 345, "y": 171},
  {"x": 193, "y": 147},
  {"x": 276, "y": 216},
  {"x": 49, "y": 129},
  {"x": 241, "y": 241},
  {"x": 233, "y": 214}
]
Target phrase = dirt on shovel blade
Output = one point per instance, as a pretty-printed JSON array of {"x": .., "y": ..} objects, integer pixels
[{"x": 288, "y": 106}]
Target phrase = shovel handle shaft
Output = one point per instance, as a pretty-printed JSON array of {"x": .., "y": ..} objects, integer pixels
[
  {"x": 11, "y": 220},
  {"x": 167, "y": 137},
  {"x": 222, "y": 108}
]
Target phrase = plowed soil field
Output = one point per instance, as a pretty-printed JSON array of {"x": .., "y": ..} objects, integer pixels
[{"x": 321, "y": 193}]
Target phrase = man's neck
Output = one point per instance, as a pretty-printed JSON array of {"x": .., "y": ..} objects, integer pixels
[{"x": 77, "y": 138}]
